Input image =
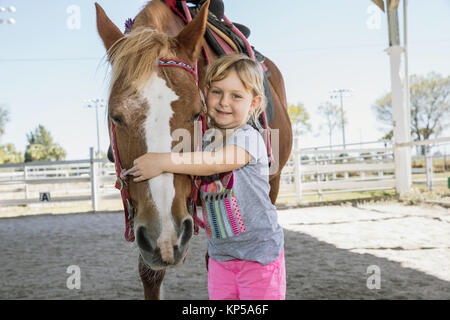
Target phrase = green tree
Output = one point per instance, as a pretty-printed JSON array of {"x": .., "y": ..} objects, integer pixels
[
  {"x": 430, "y": 106},
  {"x": 299, "y": 119},
  {"x": 8, "y": 154},
  {"x": 57, "y": 153},
  {"x": 40, "y": 136},
  {"x": 41, "y": 146}
]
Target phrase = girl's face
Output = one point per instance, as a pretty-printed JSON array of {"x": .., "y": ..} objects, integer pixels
[{"x": 229, "y": 103}]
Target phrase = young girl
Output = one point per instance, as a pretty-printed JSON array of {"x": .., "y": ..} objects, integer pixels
[{"x": 245, "y": 241}]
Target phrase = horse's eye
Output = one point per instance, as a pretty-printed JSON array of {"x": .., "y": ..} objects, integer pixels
[{"x": 117, "y": 119}]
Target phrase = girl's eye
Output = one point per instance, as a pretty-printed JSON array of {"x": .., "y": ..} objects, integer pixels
[
  {"x": 236, "y": 96},
  {"x": 215, "y": 92}
]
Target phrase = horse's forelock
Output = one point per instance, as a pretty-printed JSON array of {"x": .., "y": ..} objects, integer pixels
[{"x": 134, "y": 57}]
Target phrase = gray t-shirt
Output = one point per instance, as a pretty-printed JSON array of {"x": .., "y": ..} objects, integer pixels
[{"x": 240, "y": 220}]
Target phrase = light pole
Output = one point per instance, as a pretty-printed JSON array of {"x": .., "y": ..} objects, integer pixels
[
  {"x": 11, "y": 9},
  {"x": 339, "y": 93},
  {"x": 96, "y": 103}
]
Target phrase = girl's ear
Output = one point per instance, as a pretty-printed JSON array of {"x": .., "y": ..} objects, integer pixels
[{"x": 256, "y": 102}]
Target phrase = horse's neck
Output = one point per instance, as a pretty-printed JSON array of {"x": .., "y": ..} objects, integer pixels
[{"x": 174, "y": 26}]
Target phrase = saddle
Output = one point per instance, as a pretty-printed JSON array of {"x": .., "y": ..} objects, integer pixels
[{"x": 223, "y": 39}]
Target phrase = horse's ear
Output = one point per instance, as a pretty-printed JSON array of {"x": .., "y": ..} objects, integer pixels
[
  {"x": 191, "y": 37},
  {"x": 106, "y": 28}
]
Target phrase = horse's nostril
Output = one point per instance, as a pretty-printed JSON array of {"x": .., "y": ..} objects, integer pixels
[
  {"x": 186, "y": 231},
  {"x": 142, "y": 239}
]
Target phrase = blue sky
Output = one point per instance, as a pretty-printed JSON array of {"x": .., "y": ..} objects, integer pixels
[{"x": 48, "y": 70}]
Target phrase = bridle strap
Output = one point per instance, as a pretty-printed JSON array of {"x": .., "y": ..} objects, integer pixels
[
  {"x": 122, "y": 185},
  {"x": 177, "y": 63}
]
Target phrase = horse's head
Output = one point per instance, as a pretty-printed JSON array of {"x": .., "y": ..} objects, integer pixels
[{"x": 146, "y": 104}]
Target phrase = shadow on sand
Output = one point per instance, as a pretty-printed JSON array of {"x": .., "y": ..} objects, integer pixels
[{"x": 36, "y": 252}]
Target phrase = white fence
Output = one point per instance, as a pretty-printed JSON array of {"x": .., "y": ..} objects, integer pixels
[
  {"x": 25, "y": 183},
  {"x": 309, "y": 172},
  {"x": 320, "y": 171}
]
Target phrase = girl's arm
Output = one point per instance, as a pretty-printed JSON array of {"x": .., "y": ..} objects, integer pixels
[{"x": 204, "y": 163}]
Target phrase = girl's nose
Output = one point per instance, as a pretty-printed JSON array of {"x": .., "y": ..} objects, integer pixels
[{"x": 224, "y": 101}]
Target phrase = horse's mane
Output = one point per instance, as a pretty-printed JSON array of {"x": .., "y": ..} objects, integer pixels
[{"x": 134, "y": 57}]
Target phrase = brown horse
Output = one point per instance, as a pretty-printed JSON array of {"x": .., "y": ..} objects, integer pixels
[{"x": 146, "y": 104}]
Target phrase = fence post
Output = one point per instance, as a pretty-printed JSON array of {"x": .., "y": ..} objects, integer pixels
[
  {"x": 344, "y": 160},
  {"x": 93, "y": 177},
  {"x": 362, "y": 173},
  {"x": 25, "y": 176},
  {"x": 297, "y": 177},
  {"x": 319, "y": 190},
  {"x": 333, "y": 176},
  {"x": 429, "y": 168}
]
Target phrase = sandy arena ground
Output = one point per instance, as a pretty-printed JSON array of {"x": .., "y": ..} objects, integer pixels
[{"x": 328, "y": 252}]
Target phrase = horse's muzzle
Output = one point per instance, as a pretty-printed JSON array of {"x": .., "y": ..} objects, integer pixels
[{"x": 162, "y": 254}]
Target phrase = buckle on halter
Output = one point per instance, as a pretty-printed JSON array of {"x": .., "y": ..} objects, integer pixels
[{"x": 119, "y": 184}]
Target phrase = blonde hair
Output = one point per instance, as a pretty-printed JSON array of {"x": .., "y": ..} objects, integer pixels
[{"x": 249, "y": 72}]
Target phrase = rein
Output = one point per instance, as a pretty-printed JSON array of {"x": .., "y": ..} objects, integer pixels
[{"x": 121, "y": 182}]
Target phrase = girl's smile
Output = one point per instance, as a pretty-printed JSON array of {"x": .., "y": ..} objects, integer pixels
[{"x": 224, "y": 113}]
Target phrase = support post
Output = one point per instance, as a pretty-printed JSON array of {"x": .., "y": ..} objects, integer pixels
[{"x": 400, "y": 107}]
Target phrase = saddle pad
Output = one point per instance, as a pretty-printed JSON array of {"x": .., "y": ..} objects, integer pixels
[
  {"x": 224, "y": 37},
  {"x": 219, "y": 45}
]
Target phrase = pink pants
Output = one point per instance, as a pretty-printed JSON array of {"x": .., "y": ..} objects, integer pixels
[{"x": 247, "y": 280}]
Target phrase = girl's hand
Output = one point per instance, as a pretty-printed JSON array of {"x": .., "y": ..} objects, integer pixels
[{"x": 146, "y": 167}]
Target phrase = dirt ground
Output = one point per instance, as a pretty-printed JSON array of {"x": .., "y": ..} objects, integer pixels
[{"x": 328, "y": 252}]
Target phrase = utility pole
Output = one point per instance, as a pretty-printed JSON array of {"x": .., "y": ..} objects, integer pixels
[
  {"x": 340, "y": 93},
  {"x": 96, "y": 103}
]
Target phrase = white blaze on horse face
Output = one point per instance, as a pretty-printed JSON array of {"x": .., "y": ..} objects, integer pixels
[{"x": 159, "y": 139}]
